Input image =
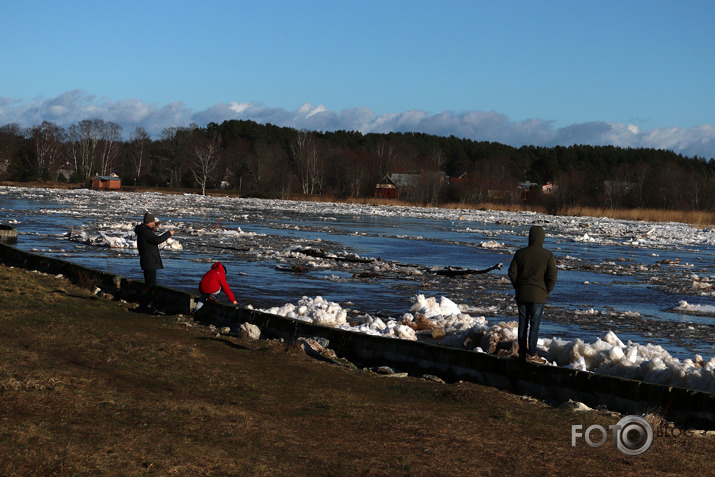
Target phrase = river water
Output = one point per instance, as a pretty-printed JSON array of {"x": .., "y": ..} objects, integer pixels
[{"x": 647, "y": 282}]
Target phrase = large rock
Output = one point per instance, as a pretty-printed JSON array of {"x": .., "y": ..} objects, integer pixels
[
  {"x": 249, "y": 331},
  {"x": 315, "y": 349}
]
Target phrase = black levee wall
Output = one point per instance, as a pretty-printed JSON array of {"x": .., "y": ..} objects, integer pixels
[{"x": 686, "y": 407}]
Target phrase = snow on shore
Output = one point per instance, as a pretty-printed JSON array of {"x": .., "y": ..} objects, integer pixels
[
  {"x": 607, "y": 355},
  {"x": 650, "y": 363}
]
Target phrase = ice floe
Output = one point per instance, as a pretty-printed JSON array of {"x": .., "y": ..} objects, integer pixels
[
  {"x": 128, "y": 241},
  {"x": 607, "y": 355}
]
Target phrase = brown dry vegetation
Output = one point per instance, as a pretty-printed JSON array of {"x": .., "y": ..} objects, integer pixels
[
  {"x": 88, "y": 387},
  {"x": 697, "y": 218}
]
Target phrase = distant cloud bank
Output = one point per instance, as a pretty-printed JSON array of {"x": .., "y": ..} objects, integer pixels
[{"x": 76, "y": 105}]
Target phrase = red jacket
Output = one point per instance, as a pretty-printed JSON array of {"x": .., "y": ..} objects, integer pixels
[{"x": 215, "y": 280}]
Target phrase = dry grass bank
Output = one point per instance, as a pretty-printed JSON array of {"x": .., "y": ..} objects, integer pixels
[
  {"x": 90, "y": 388},
  {"x": 696, "y": 218}
]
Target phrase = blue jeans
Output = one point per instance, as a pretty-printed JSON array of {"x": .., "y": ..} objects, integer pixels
[
  {"x": 203, "y": 298},
  {"x": 529, "y": 322}
]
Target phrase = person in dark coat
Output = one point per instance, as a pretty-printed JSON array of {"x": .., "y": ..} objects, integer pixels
[
  {"x": 149, "y": 257},
  {"x": 533, "y": 275}
]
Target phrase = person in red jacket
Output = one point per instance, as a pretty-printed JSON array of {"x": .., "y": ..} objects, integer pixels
[{"x": 211, "y": 285}]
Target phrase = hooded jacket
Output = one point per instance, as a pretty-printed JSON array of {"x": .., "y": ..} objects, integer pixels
[
  {"x": 148, "y": 246},
  {"x": 533, "y": 270},
  {"x": 215, "y": 280}
]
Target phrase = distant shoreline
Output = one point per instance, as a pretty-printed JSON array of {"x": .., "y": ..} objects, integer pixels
[{"x": 699, "y": 219}]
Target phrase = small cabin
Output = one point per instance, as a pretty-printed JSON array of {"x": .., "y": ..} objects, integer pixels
[
  {"x": 386, "y": 189},
  {"x": 106, "y": 182}
]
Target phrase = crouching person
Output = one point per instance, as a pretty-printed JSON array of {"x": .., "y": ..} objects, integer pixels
[{"x": 211, "y": 285}]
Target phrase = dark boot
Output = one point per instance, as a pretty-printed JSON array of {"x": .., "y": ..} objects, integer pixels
[{"x": 145, "y": 301}]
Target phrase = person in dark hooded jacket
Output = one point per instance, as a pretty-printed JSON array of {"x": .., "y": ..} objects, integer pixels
[
  {"x": 149, "y": 258},
  {"x": 211, "y": 285},
  {"x": 533, "y": 275}
]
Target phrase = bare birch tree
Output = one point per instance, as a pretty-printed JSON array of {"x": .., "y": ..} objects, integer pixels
[
  {"x": 48, "y": 139},
  {"x": 205, "y": 155},
  {"x": 111, "y": 136},
  {"x": 315, "y": 168},
  {"x": 308, "y": 161},
  {"x": 83, "y": 140},
  {"x": 438, "y": 157},
  {"x": 139, "y": 144}
]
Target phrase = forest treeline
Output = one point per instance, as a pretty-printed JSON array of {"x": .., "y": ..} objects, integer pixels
[{"x": 270, "y": 161}]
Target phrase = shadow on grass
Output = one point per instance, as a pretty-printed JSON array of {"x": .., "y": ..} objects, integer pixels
[
  {"x": 223, "y": 341},
  {"x": 73, "y": 295}
]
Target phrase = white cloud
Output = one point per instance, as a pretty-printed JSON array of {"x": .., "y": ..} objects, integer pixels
[{"x": 73, "y": 106}]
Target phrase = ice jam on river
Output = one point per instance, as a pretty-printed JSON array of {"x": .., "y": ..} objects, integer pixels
[{"x": 633, "y": 299}]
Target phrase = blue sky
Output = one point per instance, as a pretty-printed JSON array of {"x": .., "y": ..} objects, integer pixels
[{"x": 628, "y": 73}]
